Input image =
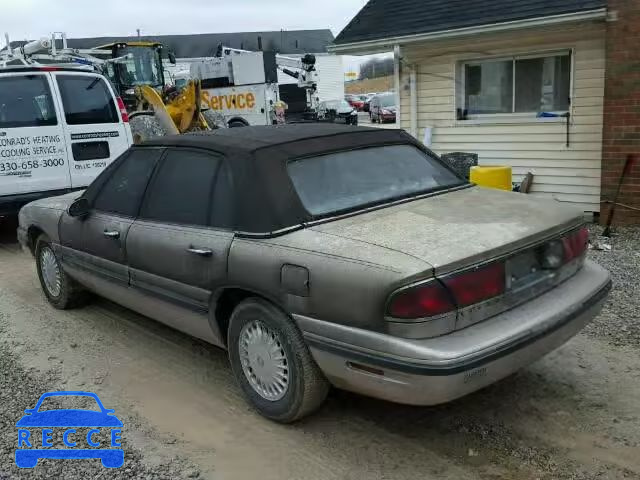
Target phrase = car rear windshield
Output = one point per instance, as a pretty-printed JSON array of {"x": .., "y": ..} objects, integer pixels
[
  {"x": 355, "y": 179},
  {"x": 25, "y": 101}
]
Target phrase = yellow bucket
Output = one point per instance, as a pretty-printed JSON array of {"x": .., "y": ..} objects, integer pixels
[{"x": 492, "y": 176}]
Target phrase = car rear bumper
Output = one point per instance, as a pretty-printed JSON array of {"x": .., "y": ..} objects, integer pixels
[{"x": 437, "y": 370}]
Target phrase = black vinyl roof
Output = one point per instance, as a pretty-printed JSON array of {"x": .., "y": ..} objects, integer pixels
[
  {"x": 249, "y": 139},
  {"x": 380, "y": 19},
  {"x": 265, "y": 200},
  {"x": 205, "y": 44}
]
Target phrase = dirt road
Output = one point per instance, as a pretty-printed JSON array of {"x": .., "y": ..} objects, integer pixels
[{"x": 573, "y": 415}]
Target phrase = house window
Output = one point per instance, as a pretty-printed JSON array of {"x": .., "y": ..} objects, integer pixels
[{"x": 531, "y": 84}]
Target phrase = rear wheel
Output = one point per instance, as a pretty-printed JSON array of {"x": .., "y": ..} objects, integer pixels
[
  {"x": 272, "y": 363},
  {"x": 61, "y": 290},
  {"x": 236, "y": 124},
  {"x": 145, "y": 127}
]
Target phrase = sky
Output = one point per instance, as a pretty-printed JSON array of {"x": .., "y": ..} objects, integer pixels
[{"x": 88, "y": 18}]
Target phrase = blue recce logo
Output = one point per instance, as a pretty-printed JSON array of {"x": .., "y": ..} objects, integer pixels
[{"x": 32, "y": 447}]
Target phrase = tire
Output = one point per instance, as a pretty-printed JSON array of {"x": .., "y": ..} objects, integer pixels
[
  {"x": 306, "y": 387},
  {"x": 69, "y": 293},
  {"x": 145, "y": 127},
  {"x": 237, "y": 124}
]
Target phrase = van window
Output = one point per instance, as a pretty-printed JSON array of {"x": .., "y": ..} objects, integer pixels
[
  {"x": 25, "y": 101},
  {"x": 86, "y": 100}
]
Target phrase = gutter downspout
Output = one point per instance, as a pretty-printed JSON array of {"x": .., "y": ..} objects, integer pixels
[
  {"x": 413, "y": 88},
  {"x": 396, "y": 80}
]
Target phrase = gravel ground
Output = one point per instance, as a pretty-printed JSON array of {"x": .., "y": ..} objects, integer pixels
[
  {"x": 20, "y": 389},
  {"x": 619, "y": 322}
]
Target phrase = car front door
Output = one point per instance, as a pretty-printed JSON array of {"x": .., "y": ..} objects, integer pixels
[
  {"x": 178, "y": 246},
  {"x": 93, "y": 246},
  {"x": 94, "y": 129}
]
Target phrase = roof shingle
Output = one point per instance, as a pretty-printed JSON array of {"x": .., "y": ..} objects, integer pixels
[{"x": 381, "y": 19}]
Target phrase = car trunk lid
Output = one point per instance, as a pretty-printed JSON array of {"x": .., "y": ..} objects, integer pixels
[{"x": 459, "y": 228}]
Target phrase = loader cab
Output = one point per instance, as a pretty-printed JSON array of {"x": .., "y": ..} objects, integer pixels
[{"x": 144, "y": 67}]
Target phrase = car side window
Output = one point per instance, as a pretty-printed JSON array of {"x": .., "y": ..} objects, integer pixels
[
  {"x": 182, "y": 190},
  {"x": 122, "y": 193},
  {"x": 87, "y": 100}
]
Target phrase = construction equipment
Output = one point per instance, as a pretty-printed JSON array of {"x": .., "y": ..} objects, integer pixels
[
  {"x": 242, "y": 86},
  {"x": 135, "y": 70}
]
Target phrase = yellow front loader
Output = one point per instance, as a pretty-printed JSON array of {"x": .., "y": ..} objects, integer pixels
[{"x": 181, "y": 113}]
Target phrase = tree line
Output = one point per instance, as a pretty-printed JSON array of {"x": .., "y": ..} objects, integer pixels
[{"x": 376, "y": 67}]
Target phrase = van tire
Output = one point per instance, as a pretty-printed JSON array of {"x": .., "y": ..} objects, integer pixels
[
  {"x": 70, "y": 294},
  {"x": 145, "y": 127},
  {"x": 307, "y": 387}
]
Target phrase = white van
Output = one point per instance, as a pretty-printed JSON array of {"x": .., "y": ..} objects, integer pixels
[{"x": 59, "y": 128}]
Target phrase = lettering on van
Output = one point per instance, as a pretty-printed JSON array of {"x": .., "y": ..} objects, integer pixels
[
  {"x": 38, "y": 146},
  {"x": 235, "y": 101},
  {"x": 87, "y": 136},
  {"x": 20, "y": 156}
]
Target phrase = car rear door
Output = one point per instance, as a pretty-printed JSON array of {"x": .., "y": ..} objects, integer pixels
[
  {"x": 93, "y": 124},
  {"x": 95, "y": 244},
  {"x": 33, "y": 157},
  {"x": 178, "y": 246}
]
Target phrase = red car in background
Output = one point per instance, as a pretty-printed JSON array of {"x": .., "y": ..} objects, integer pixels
[{"x": 356, "y": 101}]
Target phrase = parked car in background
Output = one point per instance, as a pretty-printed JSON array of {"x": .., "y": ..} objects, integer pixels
[
  {"x": 367, "y": 102},
  {"x": 337, "y": 111},
  {"x": 326, "y": 255},
  {"x": 383, "y": 108},
  {"x": 58, "y": 130},
  {"x": 356, "y": 101}
]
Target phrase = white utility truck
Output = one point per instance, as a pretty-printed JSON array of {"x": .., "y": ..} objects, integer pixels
[{"x": 243, "y": 86}]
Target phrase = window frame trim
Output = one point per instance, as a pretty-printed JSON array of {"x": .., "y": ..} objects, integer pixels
[{"x": 510, "y": 117}]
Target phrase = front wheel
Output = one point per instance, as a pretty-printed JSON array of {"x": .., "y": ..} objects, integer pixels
[
  {"x": 272, "y": 363},
  {"x": 61, "y": 290}
]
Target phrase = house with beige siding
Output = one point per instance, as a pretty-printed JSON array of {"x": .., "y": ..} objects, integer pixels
[{"x": 517, "y": 82}]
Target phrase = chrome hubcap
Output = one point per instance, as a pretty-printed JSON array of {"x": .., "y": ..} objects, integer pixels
[
  {"x": 50, "y": 271},
  {"x": 264, "y": 361}
]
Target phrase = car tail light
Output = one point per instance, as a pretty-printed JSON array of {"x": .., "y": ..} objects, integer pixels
[
  {"x": 455, "y": 291},
  {"x": 477, "y": 285},
  {"x": 49, "y": 69},
  {"x": 123, "y": 110},
  {"x": 421, "y": 301},
  {"x": 575, "y": 244}
]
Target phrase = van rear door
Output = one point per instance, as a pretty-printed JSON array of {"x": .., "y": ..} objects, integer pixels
[
  {"x": 33, "y": 156},
  {"x": 94, "y": 129}
]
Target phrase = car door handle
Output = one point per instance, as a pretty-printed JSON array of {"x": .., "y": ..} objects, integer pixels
[
  {"x": 203, "y": 252},
  {"x": 111, "y": 233}
]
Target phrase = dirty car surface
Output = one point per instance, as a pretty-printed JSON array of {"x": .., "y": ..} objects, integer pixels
[{"x": 323, "y": 255}]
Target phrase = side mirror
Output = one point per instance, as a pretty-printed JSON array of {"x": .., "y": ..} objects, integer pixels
[
  {"x": 172, "y": 58},
  {"x": 79, "y": 208}
]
